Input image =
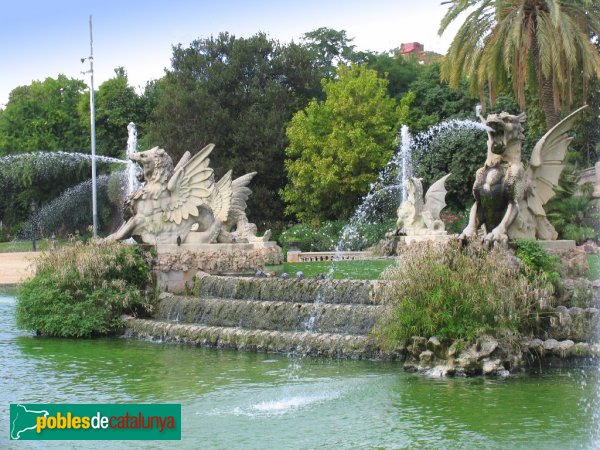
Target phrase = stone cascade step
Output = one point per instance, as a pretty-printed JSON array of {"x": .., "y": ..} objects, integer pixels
[
  {"x": 355, "y": 319},
  {"x": 330, "y": 345},
  {"x": 364, "y": 292}
]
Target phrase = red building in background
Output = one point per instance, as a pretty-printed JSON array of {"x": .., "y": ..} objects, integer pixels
[{"x": 412, "y": 48}]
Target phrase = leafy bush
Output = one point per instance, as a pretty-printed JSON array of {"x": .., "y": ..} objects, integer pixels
[
  {"x": 331, "y": 234},
  {"x": 312, "y": 239},
  {"x": 571, "y": 206},
  {"x": 457, "y": 293},
  {"x": 454, "y": 222},
  {"x": 537, "y": 259},
  {"x": 81, "y": 290}
]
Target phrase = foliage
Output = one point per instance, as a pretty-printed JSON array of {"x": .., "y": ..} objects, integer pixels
[
  {"x": 328, "y": 235},
  {"x": 312, "y": 239},
  {"x": 434, "y": 100},
  {"x": 338, "y": 146},
  {"x": 117, "y": 104},
  {"x": 458, "y": 292},
  {"x": 399, "y": 72},
  {"x": 544, "y": 45},
  {"x": 594, "y": 270},
  {"x": 460, "y": 152},
  {"x": 536, "y": 258},
  {"x": 239, "y": 94},
  {"x": 43, "y": 116},
  {"x": 338, "y": 270},
  {"x": 29, "y": 178},
  {"x": 81, "y": 290},
  {"x": 568, "y": 209},
  {"x": 454, "y": 222},
  {"x": 330, "y": 48}
]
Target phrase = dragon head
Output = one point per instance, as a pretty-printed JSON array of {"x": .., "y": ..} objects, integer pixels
[
  {"x": 504, "y": 129},
  {"x": 156, "y": 164}
]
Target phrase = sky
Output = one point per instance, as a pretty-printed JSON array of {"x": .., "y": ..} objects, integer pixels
[{"x": 45, "y": 38}]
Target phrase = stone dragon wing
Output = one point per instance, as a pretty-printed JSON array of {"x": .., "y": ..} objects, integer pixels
[
  {"x": 229, "y": 198},
  {"x": 191, "y": 185},
  {"x": 220, "y": 199},
  {"x": 241, "y": 192},
  {"x": 547, "y": 162},
  {"x": 435, "y": 198}
]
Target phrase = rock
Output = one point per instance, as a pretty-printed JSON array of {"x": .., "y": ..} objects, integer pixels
[
  {"x": 579, "y": 350},
  {"x": 575, "y": 262},
  {"x": 561, "y": 350},
  {"x": 418, "y": 344},
  {"x": 492, "y": 366},
  {"x": 485, "y": 346},
  {"x": 590, "y": 247},
  {"x": 201, "y": 274},
  {"x": 426, "y": 357},
  {"x": 549, "y": 345}
]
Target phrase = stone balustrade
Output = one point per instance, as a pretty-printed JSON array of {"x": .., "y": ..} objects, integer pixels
[{"x": 299, "y": 256}]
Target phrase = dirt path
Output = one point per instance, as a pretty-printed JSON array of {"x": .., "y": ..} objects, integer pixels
[{"x": 16, "y": 267}]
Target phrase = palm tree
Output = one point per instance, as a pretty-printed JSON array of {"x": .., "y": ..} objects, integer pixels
[{"x": 542, "y": 43}]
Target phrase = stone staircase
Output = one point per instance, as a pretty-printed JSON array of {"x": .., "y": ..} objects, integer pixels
[{"x": 308, "y": 317}]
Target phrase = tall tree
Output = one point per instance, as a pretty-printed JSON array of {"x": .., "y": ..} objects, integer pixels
[
  {"x": 399, "y": 72},
  {"x": 117, "y": 104},
  {"x": 43, "y": 116},
  {"x": 239, "y": 94},
  {"x": 330, "y": 48},
  {"x": 338, "y": 146},
  {"x": 543, "y": 44}
]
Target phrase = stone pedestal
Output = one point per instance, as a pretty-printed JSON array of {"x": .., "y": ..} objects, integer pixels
[
  {"x": 558, "y": 246},
  {"x": 178, "y": 264}
]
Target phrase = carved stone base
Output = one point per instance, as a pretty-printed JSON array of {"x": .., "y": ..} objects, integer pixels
[{"x": 177, "y": 265}]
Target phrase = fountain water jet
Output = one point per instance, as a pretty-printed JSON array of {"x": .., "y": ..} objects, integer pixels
[{"x": 372, "y": 208}]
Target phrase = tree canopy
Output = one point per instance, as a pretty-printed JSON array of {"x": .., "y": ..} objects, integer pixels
[
  {"x": 339, "y": 145},
  {"x": 238, "y": 93},
  {"x": 541, "y": 44}
]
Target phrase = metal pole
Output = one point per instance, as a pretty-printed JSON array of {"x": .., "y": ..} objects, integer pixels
[{"x": 93, "y": 136}]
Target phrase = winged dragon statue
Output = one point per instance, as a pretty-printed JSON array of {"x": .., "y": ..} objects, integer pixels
[
  {"x": 174, "y": 201},
  {"x": 509, "y": 198},
  {"x": 418, "y": 215}
]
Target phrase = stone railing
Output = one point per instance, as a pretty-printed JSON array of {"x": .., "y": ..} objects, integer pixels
[{"x": 298, "y": 256}]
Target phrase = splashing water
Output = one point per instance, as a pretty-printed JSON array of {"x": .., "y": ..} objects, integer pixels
[
  {"x": 405, "y": 165},
  {"x": 387, "y": 193},
  {"x": 72, "y": 203},
  {"x": 133, "y": 170}
]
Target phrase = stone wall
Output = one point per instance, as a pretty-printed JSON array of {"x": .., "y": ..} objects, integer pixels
[{"x": 178, "y": 265}]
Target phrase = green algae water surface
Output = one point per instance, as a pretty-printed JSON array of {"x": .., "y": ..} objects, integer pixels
[{"x": 245, "y": 400}]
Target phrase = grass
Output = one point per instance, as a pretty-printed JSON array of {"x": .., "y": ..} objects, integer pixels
[
  {"x": 26, "y": 246},
  {"x": 594, "y": 271},
  {"x": 356, "y": 270}
]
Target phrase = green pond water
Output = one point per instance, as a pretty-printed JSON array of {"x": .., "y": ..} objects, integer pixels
[{"x": 246, "y": 400}]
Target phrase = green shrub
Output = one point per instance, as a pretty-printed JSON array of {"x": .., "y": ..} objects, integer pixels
[
  {"x": 81, "y": 290},
  {"x": 457, "y": 293},
  {"x": 326, "y": 237},
  {"x": 312, "y": 239},
  {"x": 454, "y": 222},
  {"x": 536, "y": 258}
]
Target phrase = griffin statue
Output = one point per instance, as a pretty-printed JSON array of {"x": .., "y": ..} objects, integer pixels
[
  {"x": 509, "y": 198},
  {"x": 174, "y": 201},
  {"x": 418, "y": 216}
]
